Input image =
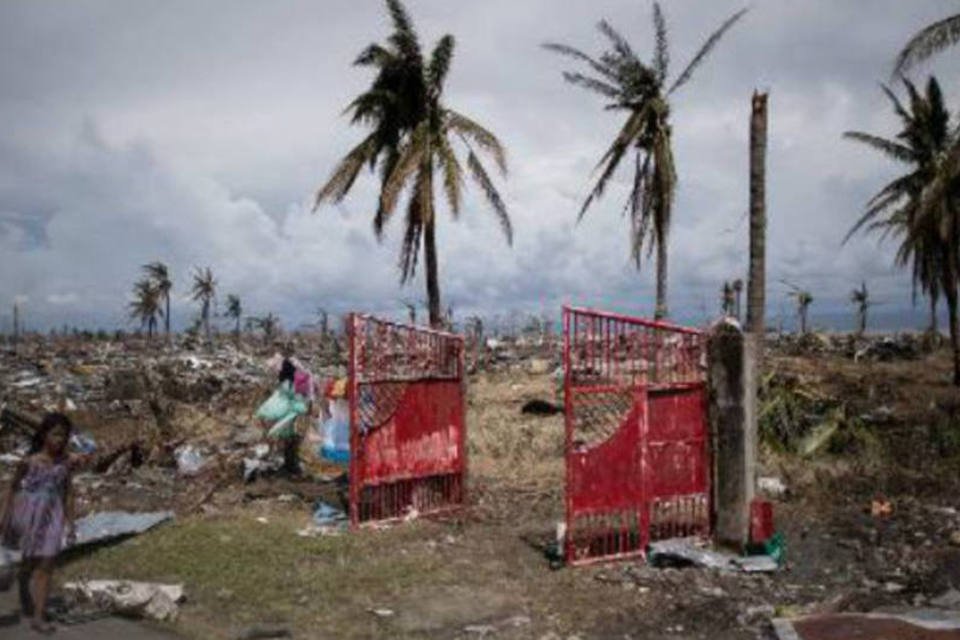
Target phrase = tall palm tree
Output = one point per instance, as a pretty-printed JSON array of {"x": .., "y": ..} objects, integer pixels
[
  {"x": 160, "y": 275},
  {"x": 737, "y": 292},
  {"x": 861, "y": 301},
  {"x": 929, "y": 230},
  {"x": 804, "y": 300},
  {"x": 146, "y": 304},
  {"x": 204, "y": 290},
  {"x": 413, "y": 142},
  {"x": 641, "y": 90},
  {"x": 235, "y": 311}
]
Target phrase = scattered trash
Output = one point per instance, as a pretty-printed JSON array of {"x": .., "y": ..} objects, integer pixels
[
  {"x": 335, "y": 445},
  {"x": 881, "y": 508},
  {"x": 771, "y": 486},
  {"x": 138, "y": 599},
  {"x": 10, "y": 458},
  {"x": 955, "y": 538},
  {"x": 263, "y": 632},
  {"x": 382, "y": 613},
  {"x": 948, "y": 600},
  {"x": 190, "y": 460},
  {"x": 263, "y": 520},
  {"x": 8, "y": 572},
  {"x": 689, "y": 552},
  {"x": 480, "y": 629},
  {"x": 540, "y": 408},
  {"x": 325, "y": 515},
  {"x": 82, "y": 443},
  {"x": 100, "y": 527}
]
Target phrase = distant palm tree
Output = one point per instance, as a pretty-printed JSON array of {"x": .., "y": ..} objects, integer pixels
[
  {"x": 324, "y": 321},
  {"x": 411, "y": 311},
  {"x": 270, "y": 325},
  {"x": 235, "y": 311},
  {"x": 726, "y": 299},
  {"x": 204, "y": 291},
  {"x": 146, "y": 305},
  {"x": 640, "y": 89},
  {"x": 804, "y": 300},
  {"x": 861, "y": 300},
  {"x": 160, "y": 275},
  {"x": 738, "y": 292},
  {"x": 412, "y": 141}
]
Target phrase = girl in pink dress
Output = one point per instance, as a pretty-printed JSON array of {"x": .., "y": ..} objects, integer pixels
[{"x": 37, "y": 515}]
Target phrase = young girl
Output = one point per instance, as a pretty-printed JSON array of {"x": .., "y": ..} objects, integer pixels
[{"x": 38, "y": 512}]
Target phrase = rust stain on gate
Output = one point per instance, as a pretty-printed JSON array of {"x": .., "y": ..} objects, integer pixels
[
  {"x": 407, "y": 424},
  {"x": 636, "y": 434}
]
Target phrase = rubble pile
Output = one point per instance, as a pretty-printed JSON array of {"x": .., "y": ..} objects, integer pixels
[{"x": 872, "y": 348}]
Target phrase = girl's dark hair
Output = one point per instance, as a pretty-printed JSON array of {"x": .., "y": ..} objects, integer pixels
[
  {"x": 50, "y": 422},
  {"x": 287, "y": 371}
]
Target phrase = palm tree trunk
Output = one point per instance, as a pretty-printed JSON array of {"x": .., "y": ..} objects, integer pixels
[
  {"x": 661, "y": 311},
  {"x": 951, "y": 295},
  {"x": 166, "y": 319},
  {"x": 756, "y": 286},
  {"x": 738, "y": 305},
  {"x": 206, "y": 320},
  {"x": 433, "y": 282}
]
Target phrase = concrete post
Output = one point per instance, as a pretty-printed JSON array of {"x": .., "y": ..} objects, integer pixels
[{"x": 733, "y": 421}]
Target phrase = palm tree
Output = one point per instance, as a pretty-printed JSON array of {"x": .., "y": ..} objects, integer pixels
[
  {"x": 861, "y": 300},
  {"x": 160, "y": 275},
  {"x": 412, "y": 142},
  {"x": 738, "y": 292},
  {"x": 928, "y": 228},
  {"x": 641, "y": 90},
  {"x": 324, "y": 321},
  {"x": 726, "y": 299},
  {"x": 235, "y": 311},
  {"x": 757, "y": 271},
  {"x": 804, "y": 300},
  {"x": 204, "y": 290},
  {"x": 270, "y": 325},
  {"x": 146, "y": 304}
]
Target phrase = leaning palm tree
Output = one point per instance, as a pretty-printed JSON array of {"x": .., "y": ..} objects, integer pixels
[
  {"x": 160, "y": 275},
  {"x": 146, "y": 305},
  {"x": 204, "y": 290},
  {"x": 413, "y": 141},
  {"x": 927, "y": 225},
  {"x": 641, "y": 90},
  {"x": 235, "y": 311},
  {"x": 860, "y": 298}
]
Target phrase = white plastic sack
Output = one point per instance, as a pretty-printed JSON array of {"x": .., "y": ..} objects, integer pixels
[{"x": 336, "y": 432}]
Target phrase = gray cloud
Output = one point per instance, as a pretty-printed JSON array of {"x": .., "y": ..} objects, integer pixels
[{"x": 195, "y": 133}]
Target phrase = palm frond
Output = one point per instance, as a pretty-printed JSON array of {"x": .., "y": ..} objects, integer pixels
[
  {"x": 474, "y": 131},
  {"x": 346, "y": 172},
  {"x": 375, "y": 55},
  {"x": 440, "y": 63},
  {"x": 404, "y": 36},
  {"x": 420, "y": 200},
  {"x": 630, "y": 132},
  {"x": 705, "y": 50},
  {"x": 661, "y": 59},
  {"x": 412, "y": 156},
  {"x": 895, "y": 150},
  {"x": 604, "y": 69},
  {"x": 481, "y": 177},
  {"x": 452, "y": 176},
  {"x": 592, "y": 84},
  {"x": 933, "y": 39},
  {"x": 897, "y": 105},
  {"x": 620, "y": 44}
]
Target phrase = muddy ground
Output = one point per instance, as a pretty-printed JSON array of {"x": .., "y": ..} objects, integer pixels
[{"x": 485, "y": 573}]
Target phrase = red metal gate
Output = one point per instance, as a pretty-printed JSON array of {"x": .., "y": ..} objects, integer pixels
[
  {"x": 636, "y": 434},
  {"x": 407, "y": 423}
]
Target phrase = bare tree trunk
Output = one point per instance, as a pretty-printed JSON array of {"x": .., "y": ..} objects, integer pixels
[
  {"x": 803, "y": 321},
  {"x": 661, "y": 311},
  {"x": 738, "y": 292},
  {"x": 166, "y": 318},
  {"x": 756, "y": 285},
  {"x": 433, "y": 283},
  {"x": 863, "y": 322}
]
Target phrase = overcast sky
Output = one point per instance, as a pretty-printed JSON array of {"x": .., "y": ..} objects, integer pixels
[{"x": 196, "y": 133}]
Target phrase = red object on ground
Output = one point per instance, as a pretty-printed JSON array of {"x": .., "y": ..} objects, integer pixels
[
  {"x": 761, "y": 521},
  {"x": 407, "y": 420},
  {"x": 636, "y": 434}
]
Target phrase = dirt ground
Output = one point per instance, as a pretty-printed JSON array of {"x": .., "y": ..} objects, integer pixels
[{"x": 485, "y": 573}]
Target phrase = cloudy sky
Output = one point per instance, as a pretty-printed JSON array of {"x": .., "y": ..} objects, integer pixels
[{"x": 196, "y": 133}]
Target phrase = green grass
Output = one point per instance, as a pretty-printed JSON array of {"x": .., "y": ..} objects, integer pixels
[{"x": 238, "y": 571}]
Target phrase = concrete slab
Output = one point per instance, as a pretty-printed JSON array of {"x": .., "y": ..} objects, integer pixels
[
  {"x": 917, "y": 624},
  {"x": 102, "y": 629}
]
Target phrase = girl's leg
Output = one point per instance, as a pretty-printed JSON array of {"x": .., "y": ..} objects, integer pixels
[
  {"x": 23, "y": 587},
  {"x": 41, "y": 589}
]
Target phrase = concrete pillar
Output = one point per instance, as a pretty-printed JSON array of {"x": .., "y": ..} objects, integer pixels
[{"x": 733, "y": 422}]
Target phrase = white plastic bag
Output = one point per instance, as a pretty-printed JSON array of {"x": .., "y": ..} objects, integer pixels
[{"x": 8, "y": 569}]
